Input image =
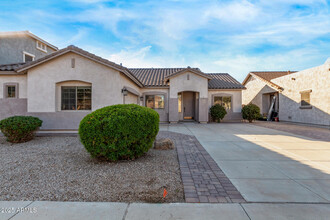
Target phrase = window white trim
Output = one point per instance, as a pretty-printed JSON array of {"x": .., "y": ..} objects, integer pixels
[
  {"x": 5, "y": 90},
  {"x": 29, "y": 54},
  {"x": 41, "y": 46}
]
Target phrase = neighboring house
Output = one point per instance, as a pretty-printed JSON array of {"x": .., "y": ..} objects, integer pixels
[
  {"x": 302, "y": 96},
  {"x": 22, "y": 46},
  {"x": 61, "y": 88}
]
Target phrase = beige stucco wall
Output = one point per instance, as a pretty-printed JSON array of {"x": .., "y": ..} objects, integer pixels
[
  {"x": 131, "y": 99},
  {"x": 235, "y": 94},
  {"x": 106, "y": 82},
  {"x": 20, "y": 79},
  {"x": 236, "y": 101},
  {"x": 255, "y": 88},
  {"x": 163, "y": 113},
  {"x": 195, "y": 83},
  {"x": 316, "y": 79}
]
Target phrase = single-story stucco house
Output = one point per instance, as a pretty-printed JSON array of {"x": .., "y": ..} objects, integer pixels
[
  {"x": 64, "y": 86},
  {"x": 302, "y": 97}
]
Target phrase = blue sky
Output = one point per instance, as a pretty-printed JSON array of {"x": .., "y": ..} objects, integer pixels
[{"x": 216, "y": 36}]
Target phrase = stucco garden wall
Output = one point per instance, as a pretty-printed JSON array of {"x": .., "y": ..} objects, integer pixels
[{"x": 316, "y": 79}]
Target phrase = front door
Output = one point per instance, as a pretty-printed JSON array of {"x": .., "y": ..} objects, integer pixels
[{"x": 188, "y": 105}]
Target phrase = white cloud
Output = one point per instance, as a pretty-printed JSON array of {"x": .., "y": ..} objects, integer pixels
[
  {"x": 82, "y": 32},
  {"x": 133, "y": 58},
  {"x": 240, "y": 65},
  {"x": 240, "y": 11},
  {"x": 107, "y": 17}
]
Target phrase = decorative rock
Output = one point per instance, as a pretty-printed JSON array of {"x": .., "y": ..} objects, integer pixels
[{"x": 163, "y": 144}]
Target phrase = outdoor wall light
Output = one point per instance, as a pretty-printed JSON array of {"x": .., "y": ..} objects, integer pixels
[
  {"x": 124, "y": 91},
  {"x": 141, "y": 98}
]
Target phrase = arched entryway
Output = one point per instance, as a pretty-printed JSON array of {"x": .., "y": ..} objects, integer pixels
[{"x": 188, "y": 105}]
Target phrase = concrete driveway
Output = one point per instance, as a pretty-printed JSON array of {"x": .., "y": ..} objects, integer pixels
[{"x": 266, "y": 165}]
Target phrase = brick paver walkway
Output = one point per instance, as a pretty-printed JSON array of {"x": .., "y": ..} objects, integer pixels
[
  {"x": 203, "y": 180},
  {"x": 322, "y": 134}
]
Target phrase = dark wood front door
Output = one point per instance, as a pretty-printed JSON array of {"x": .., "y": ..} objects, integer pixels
[{"x": 188, "y": 105}]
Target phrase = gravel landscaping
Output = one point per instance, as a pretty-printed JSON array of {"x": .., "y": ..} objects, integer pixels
[{"x": 60, "y": 169}]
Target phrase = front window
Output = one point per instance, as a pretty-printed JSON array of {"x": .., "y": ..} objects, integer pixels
[
  {"x": 225, "y": 101},
  {"x": 305, "y": 99},
  {"x": 76, "y": 98},
  {"x": 155, "y": 101},
  {"x": 11, "y": 91}
]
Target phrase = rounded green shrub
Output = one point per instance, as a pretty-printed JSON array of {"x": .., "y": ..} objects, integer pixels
[
  {"x": 217, "y": 112},
  {"x": 119, "y": 132},
  {"x": 250, "y": 112},
  {"x": 20, "y": 129}
]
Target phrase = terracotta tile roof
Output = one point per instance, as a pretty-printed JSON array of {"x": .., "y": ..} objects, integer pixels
[
  {"x": 10, "y": 67},
  {"x": 269, "y": 75},
  {"x": 223, "y": 81},
  {"x": 155, "y": 77}
]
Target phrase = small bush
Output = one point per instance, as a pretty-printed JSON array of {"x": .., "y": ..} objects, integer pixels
[
  {"x": 119, "y": 132},
  {"x": 20, "y": 129},
  {"x": 218, "y": 112},
  {"x": 250, "y": 112}
]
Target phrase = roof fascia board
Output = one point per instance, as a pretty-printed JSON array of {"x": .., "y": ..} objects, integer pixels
[
  {"x": 8, "y": 72},
  {"x": 41, "y": 40},
  {"x": 246, "y": 79},
  {"x": 235, "y": 89},
  {"x": 268, "y": 82},
  {"x": 156, "y": 87}
]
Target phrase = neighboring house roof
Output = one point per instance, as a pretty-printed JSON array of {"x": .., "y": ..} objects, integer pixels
[
  {"x": 28, "y": 33},
  {"x": 83, "y": 53},
  {"x": 223, "y": 81},
  {"x": 267, "y": 76}
]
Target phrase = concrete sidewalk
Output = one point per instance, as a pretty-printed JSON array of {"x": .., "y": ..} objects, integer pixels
[{"x": 104, "y": 210}]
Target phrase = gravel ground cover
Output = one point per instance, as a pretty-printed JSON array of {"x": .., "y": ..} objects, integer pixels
[{"x": 60, "y": 169}]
